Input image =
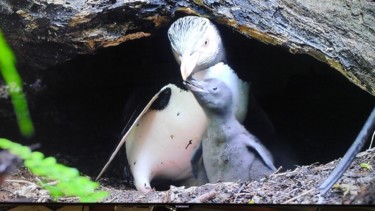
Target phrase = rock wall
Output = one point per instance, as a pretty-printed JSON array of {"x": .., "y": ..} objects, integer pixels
[{"x": 341, "y": 34}]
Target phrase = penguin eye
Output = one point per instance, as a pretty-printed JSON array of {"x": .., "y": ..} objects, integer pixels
[
  {"x": 205, "y": 44},
  {"x": 214, "y": 88}
]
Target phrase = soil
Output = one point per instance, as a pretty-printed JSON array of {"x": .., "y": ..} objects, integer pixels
[{"x": 298, "y": 186}]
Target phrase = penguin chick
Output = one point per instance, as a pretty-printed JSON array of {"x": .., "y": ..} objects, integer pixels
[{"x": 230, "y": 153}]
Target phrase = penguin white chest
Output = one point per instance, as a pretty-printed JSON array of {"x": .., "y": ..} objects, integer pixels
[{"x": 162, "y": 142}]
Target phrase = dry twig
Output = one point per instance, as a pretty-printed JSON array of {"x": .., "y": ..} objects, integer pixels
[
  {"x": 299, "y": 196},
  {"x": 204, "y": 197},
  {"x": 238, "y": 192},
  {"x": 19, "y": 181}
]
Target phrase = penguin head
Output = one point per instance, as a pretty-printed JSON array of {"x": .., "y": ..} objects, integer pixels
[
  {"x": 212, "y": 94},
  {"x": 196, "y": 44}
]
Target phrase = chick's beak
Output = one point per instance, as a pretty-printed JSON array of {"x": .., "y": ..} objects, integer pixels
[
  {"x": 188, "y": 64},
  {"x": 195, "y": 86}
]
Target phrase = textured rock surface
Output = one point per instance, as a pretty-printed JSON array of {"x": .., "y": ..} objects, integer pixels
[{"x": 341, "y": 34}]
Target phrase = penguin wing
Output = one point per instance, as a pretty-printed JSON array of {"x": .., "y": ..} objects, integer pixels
[
  {"x": 197, "y": 164},
  {"x": 159, "y": 96},
  {"x": 253, "y": 144}
]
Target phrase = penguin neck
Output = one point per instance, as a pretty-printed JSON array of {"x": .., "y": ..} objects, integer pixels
[
  {"x": 218, "y": 70},
  {"x": 239, "y": 88},
  {"x": 221, "y": 118}
]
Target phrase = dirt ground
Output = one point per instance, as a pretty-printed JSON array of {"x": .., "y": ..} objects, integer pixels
[{"x": 357, "y": 186}]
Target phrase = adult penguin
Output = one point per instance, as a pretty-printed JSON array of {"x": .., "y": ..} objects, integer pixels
[
  {"x": 197, "y": 46},
  {"x": 151, "y": 152},
  {"x": 164, "y": 137}
]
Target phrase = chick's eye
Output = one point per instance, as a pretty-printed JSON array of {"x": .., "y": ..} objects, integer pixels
[{"x": 214, "y": 88}]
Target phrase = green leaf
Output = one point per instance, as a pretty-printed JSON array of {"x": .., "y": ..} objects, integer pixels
[
  {"x": 54, "y": 191},
  {"x": 68, "y": 181},
  {"x": 14, "y": 83},
  {"x": 36, "y": 155},
  {"x": 365, "y": 166},
  {"x": 6, "y": 144},
  {"x": 70, "y": 172},
  {"x": 49, "y": 161},
  {"x": 21, "y": 151}
]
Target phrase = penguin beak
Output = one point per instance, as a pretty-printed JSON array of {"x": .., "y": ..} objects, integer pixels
[
  {"x": 188, "y": 64},
  {"x": 195, "y": 86}
]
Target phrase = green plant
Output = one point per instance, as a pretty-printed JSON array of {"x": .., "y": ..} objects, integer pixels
[
  {"x": 66, "y": 180},
  {"x": 366, "y": 166},
  {"x": 14, "y": 82}
]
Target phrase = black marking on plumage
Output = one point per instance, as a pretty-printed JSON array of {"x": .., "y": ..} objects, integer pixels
[
  {"x": 190, "y": 143},
  {"x": 162, "y": 101}
]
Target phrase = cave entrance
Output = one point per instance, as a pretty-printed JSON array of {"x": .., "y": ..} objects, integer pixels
[{"x": 78, "y": 106}]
